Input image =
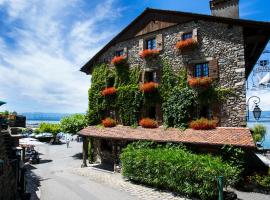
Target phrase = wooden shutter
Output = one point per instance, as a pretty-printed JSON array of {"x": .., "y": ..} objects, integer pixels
[
  {"x": 159, "y": 42},
  {"x": 195, "y": 35},
  {"x": 125, "y": 51},
  {"x": 179, "y": 36},
  {"x": 141, "y": 45},
  {"x": 190, "y": 71},
  {"x": 213, "y": 69}
]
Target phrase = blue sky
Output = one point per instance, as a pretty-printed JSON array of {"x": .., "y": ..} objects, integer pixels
[{"x": 43, "y": 44}]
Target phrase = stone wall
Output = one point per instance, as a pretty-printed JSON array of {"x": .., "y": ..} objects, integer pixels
[
  {"x": 8, "y": 178},
  {"x": 216, "y": 41}
]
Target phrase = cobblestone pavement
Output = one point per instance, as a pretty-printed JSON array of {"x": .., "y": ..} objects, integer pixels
[
  {"x": 115, "y": 180},
  {"x": 32, "y": 183},
  {"x": 251, "y": 196}
]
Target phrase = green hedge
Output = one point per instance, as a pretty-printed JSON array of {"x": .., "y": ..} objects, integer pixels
[{"x": 177, "y": 169}]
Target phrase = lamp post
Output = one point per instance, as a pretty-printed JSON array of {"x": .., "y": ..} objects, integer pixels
[{"x": 256, "y": 111}]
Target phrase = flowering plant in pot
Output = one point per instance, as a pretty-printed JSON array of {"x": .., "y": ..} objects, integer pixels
[
  {"x": 148, "y": 123},
  {"x": 108, "y": 122},
  {"x": 118, "y": 60},
  {"x": 203, "y": 124},
  {"x": 149, "y": 53},
  {"x": 108, "y": 91},
  {"x": 148, "y": 87},
  {"x": 203, "y": 82},
  {"x": 185, "y": 44}
]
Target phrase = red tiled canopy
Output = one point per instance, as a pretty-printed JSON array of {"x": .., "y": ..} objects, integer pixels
[{"x": 220, "y": 136}]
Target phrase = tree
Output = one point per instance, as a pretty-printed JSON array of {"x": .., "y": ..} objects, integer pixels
[
  {"x": 73, "y": 124},
  {"x": 49, "y": 128}
]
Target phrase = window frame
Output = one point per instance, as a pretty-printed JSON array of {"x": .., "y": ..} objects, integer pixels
[
  {"x": 188, "y": 34},
  {"x": 119, "y": 52},
  {"x": 200, "y": 70},
  {"x": 153, "y": 43}
]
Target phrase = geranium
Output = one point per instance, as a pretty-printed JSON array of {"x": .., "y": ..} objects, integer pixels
[
  {"x": 148, "y": 53},
  {"x": 108, "y": 91},
  {"x": 148, "y": 123},
  {"x": 117, "y": 60},
  {"x": 108, "y": 122},
  {"x": 148, "y": 87},
  {"x": 200, "y": 82},
  {"x": 185, "y": 43},
  {"x": 203, "y": 124}
]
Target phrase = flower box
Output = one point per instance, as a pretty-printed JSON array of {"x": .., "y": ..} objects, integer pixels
[
  {"x": 203, "y": 124},
  {"x": 186, "y": 44},
  {"x": 148, "y": 87},
  {"x": 203, "y": 82},
  {"x": 118, "y": 60},
  {"x": 108, "y": 91},
  {"x": 108, "y": 122},
  {"x": 149, "y": 53},
  {"x": 148, "y": 123}
]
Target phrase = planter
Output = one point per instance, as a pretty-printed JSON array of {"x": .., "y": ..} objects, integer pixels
[
  {"x": 149, "y": 53},
  {"x": 118, "y": 60},
  {"x": 148, "y": 123},
  {"x": 186, "y": 44},
  {"x": 203, "y": 124},
  {"x": 203, "y": 82},
  {"x": 108, "y": 122},
  {"x": 108, "y": 91},
  {"x": 148, "y": 87}
]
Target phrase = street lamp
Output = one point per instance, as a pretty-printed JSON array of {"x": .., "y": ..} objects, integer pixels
[{"x": 256, "y": 111}]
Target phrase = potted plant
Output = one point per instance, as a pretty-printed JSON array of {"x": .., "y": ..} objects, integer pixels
[
  {"x": 108, "y": 122},
  {"x": 186, "y": 44},
  {"x": 202, "y": 82},
  {"x": 149, "y": 53},
  {"x": 148, "y": 87},
  {"x": 148, "y": 123},
  {"x": 203, "y": 124},
  {"x": 108, "y": 91},
  {"x": 118, "y": 60}
]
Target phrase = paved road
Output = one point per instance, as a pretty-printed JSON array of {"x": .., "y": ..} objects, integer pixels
[{"x": 57, "y": 181}]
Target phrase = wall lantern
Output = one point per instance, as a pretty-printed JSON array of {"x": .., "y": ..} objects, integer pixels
[
  {"x": 256, "y": 111},
  {"x": 1, "y": 167}
]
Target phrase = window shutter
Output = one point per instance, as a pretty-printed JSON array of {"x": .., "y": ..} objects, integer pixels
[
  {"x": 213, "y": 69},
  {"x": 195, "y": 35},
  {"x": 159, "y": 42},
  {"x": 179, "y": 36},
  {"x": 190, "y": 71},
  {"x": 141, "y": 45},
  {"x": 125, "y": 50}
]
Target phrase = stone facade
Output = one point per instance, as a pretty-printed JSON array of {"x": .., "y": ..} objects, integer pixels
[{"x": 216, "y": 42}]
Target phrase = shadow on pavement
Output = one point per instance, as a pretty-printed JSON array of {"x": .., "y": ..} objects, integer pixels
[
  {"x": 77, "y": 156},
  {"x": 106, "y": 167},
  {"x": 32, "y": 182},
  {"x": 42, "y": 161}
]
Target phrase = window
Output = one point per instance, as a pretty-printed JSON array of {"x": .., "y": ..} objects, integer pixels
[
  {"x": 119, "y": 52},
  {"x": 186, "y": 36},
  {"x": 201, "y": 70},
  {"x": 150, "y": 77},
  {"x": 151, "y": 43},
  {"x": 152, "y": 112}
]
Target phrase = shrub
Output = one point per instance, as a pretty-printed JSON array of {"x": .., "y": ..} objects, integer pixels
[
  {"x": 49, "y": 128},
  {"x": 203, "y": 124},
  {"x": 108, "y": 91},
  {"x": 184, "y": 44},
  {"x": 148, "y": 87},
  {"x": 108, "y": 122},
  {"x": 177, "y": 169},
  {"x": 148, "y": 123},
  {"x": 263, "y": 181},
  {"x": 73, "y": 123},
  {"x": 258, "y": 132},
  {"x": 200, "y": 82},
  {"x": 118, "y": 60},
  {"x": 149, "y": 53}
]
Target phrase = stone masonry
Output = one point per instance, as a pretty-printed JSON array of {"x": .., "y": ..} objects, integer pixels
[{"x": 217, "y": 41}]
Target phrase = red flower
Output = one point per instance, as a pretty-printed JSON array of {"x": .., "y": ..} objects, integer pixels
[
  {"x": 117, "y": 60},
  {"x": 148, "y": 123},
  {"x": 203, "y": 124},
  {"x": 108, "y": 91},
  {"x": 148, "y": 87},
  {"x": 185, "y": 43},
  {"x": 108, "y": 122},
  {"x": 148, "y": 53},
  {"x": 200, "y": 82}
]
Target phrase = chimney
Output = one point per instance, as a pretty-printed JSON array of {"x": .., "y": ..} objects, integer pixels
[{"x": 225, "y": 8}]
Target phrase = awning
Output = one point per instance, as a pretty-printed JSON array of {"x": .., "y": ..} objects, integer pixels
[
  {"x": 2, "y": 103},
  {"x": 220, "y": 136}
]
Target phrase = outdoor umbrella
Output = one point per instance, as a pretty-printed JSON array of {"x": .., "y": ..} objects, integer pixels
[{"x": 2, "y": 103}]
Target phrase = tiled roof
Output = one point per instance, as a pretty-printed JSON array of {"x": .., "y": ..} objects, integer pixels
[{"x": 220, "y": 136}]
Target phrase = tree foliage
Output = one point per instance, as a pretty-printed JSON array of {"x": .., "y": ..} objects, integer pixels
[
  {"x": 49, "y": 128},
  {"x": 73, "y": 124},
  {"x": 258, "y": 132}
]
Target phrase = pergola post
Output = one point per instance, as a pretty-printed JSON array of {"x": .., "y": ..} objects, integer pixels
[{"x": 85, "y": 151}]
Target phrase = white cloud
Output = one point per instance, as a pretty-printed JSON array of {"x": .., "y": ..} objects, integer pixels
[{"x": 48, "y": 43}]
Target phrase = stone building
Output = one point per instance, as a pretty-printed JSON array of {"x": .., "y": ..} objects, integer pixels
[{"x": 226, "y": 49}]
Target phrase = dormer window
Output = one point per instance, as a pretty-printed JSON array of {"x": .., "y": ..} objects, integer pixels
[
  {"x": 186, "y": 36},
  {"x": 119, "y": 52},
  {"x": 201, "y": 70},
  {"x": 151, "y": 43}
]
